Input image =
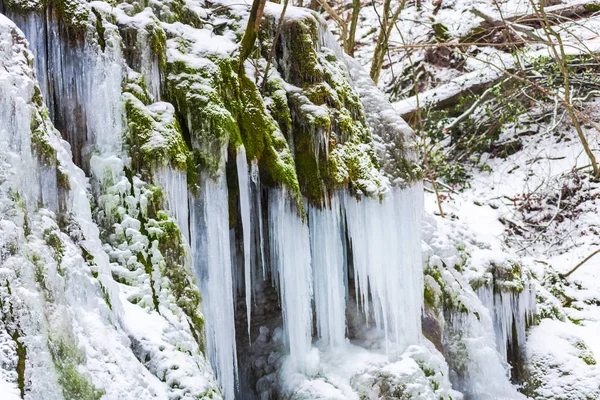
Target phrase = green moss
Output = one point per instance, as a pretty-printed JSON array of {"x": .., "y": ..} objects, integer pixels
[
  {"x": 303, "y": 60},
  {"x": 62, "y": 180},
  {"x": 137, "y": 86},
  {"x": 21, "y": 361},
  {"x": 441, "y": 32},
  {"x": 158, "y": 43},
  {"x": 585, "y": 353},
  {"x": 279, "y": 107},
  {"x": 149, "y": 270},
  {"x": 207, "y": 100},
  {"x": 39, "y": 142},
  {"x": 100, "y": 30},
  {"x": 24, "y": 7},
  {"x": 263, "y": 141},
  {"x": 588, "y": 359},
  {"x": 66, "y": 357},
  {"x": 451, "y": 301},
  {"x": 8, "y": 318},
  {"x": 53, "y": 240},
  {"x": 219, "y": 107},
  {"x": 105, "y": 294},
  {"x": 429, "y": 296},
  {"x": 15, "y": 196},
  {"x": 73, "y": 15},
  {"x": 171, "y": 245},
  {"x": 507, "y": 277},
  {"x": 592, "y": 7}
]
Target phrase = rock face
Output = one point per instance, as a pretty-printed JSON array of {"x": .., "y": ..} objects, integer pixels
[{"x": 164, "y": 219}]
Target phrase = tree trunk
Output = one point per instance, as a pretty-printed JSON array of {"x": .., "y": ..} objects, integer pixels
[
  {"x": 258, "y": 6},
  {"x": 379, "y": 52},
  {"x": 386, "y": 24},
  {"x": 353, "y": 24}
]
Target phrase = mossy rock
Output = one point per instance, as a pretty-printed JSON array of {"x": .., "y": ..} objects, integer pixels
[
  {"x": 155, "y": 138},
  {"x": 321, "y": 114}
]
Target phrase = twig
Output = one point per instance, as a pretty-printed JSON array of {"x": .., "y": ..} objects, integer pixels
[
  {"x": 468, "y": 44},
  {"x": 471, "y": 109},
  {"x": 581, "y": 263},
  {"x": 274, "y": 45}
]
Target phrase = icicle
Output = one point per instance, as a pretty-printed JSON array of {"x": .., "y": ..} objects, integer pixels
[
  {"x": 386, "y": 247},
  {"x": 290, "y": 258},
  {"x": 174, "y": 183},
  {"x": 328, "y": 264},
  {"x": 508, "y": 308},
  {"x": 257, "y": 207},
  {"x": 155, "y": 81},
  {"x": 212, "y": 264},
  {"x": 49, "y": 187},
  {"x": 244, "y": 184}
]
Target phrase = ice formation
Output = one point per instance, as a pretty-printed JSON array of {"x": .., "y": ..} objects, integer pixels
[
  {"x": 244, "y": 185},
  {"x": 387, "y": 261},
  {"x": 175, "y": 187},
  {"x": 511, "y": 312}
]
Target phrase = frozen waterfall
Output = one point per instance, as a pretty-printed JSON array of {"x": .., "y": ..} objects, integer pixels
[{"x": 511, "y": 313}]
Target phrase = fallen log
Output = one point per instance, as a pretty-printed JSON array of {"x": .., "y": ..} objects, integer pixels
[{"x": 447, "y": 95}]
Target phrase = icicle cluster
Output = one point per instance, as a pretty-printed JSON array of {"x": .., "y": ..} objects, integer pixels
[
  {"x": 387, "y": 261},
  {"x": 511, "y": 312},
  {"x": 329, "y": 264},
  {"x": 291, "y": 271},
  {"x": 212, "y": 263}
]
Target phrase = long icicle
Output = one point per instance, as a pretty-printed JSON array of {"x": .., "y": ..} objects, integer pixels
[{"x": 244, "y": 184}]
